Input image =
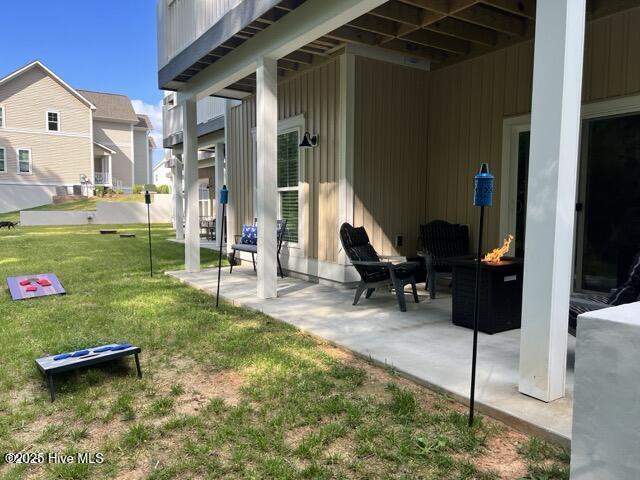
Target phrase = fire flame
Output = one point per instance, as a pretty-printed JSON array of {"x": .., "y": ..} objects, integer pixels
[{"x": 496, "y": 254}]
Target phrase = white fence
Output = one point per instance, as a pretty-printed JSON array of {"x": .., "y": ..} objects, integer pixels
[{"x": 106, "y": 213}]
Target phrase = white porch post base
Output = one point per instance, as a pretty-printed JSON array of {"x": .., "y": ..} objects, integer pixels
[
  {"x": 267, "y": 194},
  {"x": 190, "y": 156},
  {"x": 178, "y": 198},
  {"x": 553, "y": 165},
  {"x": 219, "y": 182}
]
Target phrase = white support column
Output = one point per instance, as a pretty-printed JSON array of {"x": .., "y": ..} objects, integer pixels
[
  {"x": 219, "y": 182},
  {"x": 553, "y": 165},
  {"x": 178, "y": 197},
  {"x": 190, "y": 157},
  {"x": 267, "y": 194},
  {"x": 347, "y": 122}
]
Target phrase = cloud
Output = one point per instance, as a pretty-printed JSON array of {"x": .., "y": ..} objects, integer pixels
[{"x": 154, "y": 112}]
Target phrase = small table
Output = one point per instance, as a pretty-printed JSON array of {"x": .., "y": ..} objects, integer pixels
[
  {"x": 51, "y": 367},
  {"x": 500, "y": 299}
]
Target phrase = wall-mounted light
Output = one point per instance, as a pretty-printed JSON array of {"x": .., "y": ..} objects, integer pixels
[{"x": 309, "y": 141}]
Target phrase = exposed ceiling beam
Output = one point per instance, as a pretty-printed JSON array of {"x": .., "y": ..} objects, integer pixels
[
  {"x": 439, "y": 41},
  {"x": 371, "y": 23},
  {"x": 300, "y": 57},
  {"x": 434, "y": 11},
  {"x": 354, "y": 35},
  {"x": 485, "y": 17},
  {"x": 524, "y": 8},
  {"x": 288, "y": 65},
  {"x": 438, "y": 6},
  {"x": 399, "y": 12},
  {"x": 465, "y": 31},
  {"x": 414, "y": 50}
]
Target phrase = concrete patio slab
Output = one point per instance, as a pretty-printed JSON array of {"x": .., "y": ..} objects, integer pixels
[{"x": 421, "y": 343}]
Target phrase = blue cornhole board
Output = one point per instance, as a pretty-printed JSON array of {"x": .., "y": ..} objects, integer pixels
[
  {"x": 19, "y": 292},
  {"x": 96, "y": 355}
]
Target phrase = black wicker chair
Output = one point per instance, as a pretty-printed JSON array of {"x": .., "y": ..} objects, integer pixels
[
  {"x": 253, "y": 248},
  {"x": 376, "y": 271},
  {"x": 441, "y": 240},
  {"x": 628, "y": 292}
]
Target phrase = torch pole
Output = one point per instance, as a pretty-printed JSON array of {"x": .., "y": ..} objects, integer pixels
[
  {"x": 147, "y": 200},
  {"x": 224, "y": 206},
  {"x": 476, "y": 308}
]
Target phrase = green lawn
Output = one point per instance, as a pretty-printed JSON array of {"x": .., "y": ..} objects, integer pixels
[
  {"x": 88, "y": 204},
  {"x": 226, "y": 393}
]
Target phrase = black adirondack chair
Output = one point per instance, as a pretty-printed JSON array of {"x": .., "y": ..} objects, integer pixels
[
  {"x": 442, "y": 240},
  {"x": 376, "y": 271},
  {"x": 628, "y": 292},
  {"x": 253, "y": 248}
]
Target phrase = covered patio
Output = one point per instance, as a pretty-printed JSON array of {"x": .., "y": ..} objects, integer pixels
[{"x": 421, "y": 344}]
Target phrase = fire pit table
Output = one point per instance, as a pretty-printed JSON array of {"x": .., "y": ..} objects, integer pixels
[{"x": 500, "y": 293}]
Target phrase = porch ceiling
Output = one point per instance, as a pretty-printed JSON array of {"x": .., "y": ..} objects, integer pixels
[{"x": 441, "y": 31}]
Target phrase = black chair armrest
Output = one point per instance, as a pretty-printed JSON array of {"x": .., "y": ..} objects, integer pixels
[
  {"x": 398, "y": 258},
  {"x": 371, "y": 263},
  {"x": 589, "y": 304}
]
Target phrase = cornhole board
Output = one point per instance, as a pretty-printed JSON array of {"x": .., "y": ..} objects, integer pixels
[
  {"x": 108, "y": 232},
  {"x": 127, "y": 235},
  {"x": 21, "y": 292},
  {"x": 50, "y": 367}
]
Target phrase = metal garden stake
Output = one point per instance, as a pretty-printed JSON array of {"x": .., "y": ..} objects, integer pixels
[
  {"x": 224, "y": 199},
  {"x": 147, "y": 200},
  {"x": 482, "y": 197}
]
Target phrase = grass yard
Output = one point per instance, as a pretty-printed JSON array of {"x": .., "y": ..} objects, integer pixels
[
  {"x": 81, "y": 205},
  {"x": 225, "y": 394}
]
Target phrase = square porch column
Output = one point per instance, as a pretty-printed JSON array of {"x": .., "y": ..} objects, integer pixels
[
  {"x": 553, "y": 166},
  {"x": 177, "y": 197},
  {"x": 267, "y": 168},
  {"x": 190, "y": 157},
  {"x": 219, "y": 182}
]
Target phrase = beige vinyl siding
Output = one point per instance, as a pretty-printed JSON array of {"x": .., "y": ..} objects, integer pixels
[
  {"x": 57, "y": 157},
  {"x": 464, "y": 110},
  {"x": 314, "y": 94},
  {"x": 117, "y": 137},
  {"x": 141, "y": 149}
]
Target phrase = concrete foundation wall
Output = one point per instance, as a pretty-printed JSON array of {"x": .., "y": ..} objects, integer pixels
[
  {"x": 606, "y": 409},
  {"x": 106, "y": 213},
  {"x": 18, "y": 197}
]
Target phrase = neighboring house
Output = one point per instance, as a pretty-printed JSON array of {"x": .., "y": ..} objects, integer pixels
[
  {"x": 55, "y": 139},
  {"x": 408, "y": 98},
  {"x": 143, "y": 148},
  {"x": 162, "y": 173}
]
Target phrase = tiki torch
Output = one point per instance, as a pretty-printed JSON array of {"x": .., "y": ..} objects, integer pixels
[
  {"x": 223, "y": 198},
  {"x": 482, "y": 197},
  {"x": 147, "y": 200}
]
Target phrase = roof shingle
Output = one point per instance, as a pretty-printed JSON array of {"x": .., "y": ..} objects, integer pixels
[{"x": 111, "y": 106}]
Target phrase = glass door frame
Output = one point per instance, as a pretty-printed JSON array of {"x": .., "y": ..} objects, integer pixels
[{"x": 512, "y": 127}]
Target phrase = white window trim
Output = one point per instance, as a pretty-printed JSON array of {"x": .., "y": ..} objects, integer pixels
[
  {"x": 18, "y": 150},
  {"x": 4, "y": 156},
  {"x": 46, "y": 121},
  {"x": 4, "y": 116},
  {"x": 286, "y": 125},
  {"x": 513, "y": 126}
]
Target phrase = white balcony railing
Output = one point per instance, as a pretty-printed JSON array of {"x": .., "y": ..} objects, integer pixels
[
  {"x": 181, "y": 22},
  {"x": 207, "y": 109},
  {"x": 102, "y": 178}
]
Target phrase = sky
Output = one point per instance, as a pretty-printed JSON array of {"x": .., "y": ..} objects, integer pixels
[{"x": 108, "y": 46}]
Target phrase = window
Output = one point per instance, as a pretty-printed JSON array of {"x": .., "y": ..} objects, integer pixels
[
  {"x": 24, "y": 160},
  {"x": 3, "y": 160},
  {"x": 2, "y": 116},
  {"x": 53, "y": 121},
  {"x": 288, "y": 208}
]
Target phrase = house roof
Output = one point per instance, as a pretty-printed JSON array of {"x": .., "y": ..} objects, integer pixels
[
  {"x": 143, "y": 122},
  {"x": 111, "y": 106},
  {"x": 106, "y": 149},
  {"x": 38, "y": 64},
  {"x": 152, "y": 142}
]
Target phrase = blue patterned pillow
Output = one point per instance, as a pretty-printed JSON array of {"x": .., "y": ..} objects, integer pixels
[{"x": 249, "y": 235}]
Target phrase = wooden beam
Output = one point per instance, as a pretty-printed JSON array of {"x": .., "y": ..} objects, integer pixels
[
  {"x": 523, "y": 8},
  {"x": 399, "y": 12},
  {"x": 354, "y": 35},
  {"x": 426, "y": 18},
  {"x": 465, "y": 31},
  {"x": 438, "y": 6},
  {"x": 300, "y": 57},
  {"x": 371, "y": 23},
  {"x": 439, "y": 41},
  {"x": 288, "y": 65},
  {"x": 491, "y": 19},
  {"x": 414, "y": 50},
  {"x": 459, "y": 5}
]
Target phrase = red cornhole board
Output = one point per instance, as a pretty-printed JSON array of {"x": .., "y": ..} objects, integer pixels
[{"x": 33, "y": 286}]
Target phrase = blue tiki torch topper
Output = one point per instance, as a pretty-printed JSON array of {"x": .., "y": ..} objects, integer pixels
[
  {"x": 224, "y": 195},
  {"x": 483, "y": 187}
]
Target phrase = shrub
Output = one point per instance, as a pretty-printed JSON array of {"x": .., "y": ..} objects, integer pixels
[
  {"x": 163, "y": 189},
  {"x": 100, "y": 191},
  {"x": 137, "y": 188}
]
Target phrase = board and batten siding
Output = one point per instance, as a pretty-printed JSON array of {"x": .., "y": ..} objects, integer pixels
[
  {"x": 315, "y": 94},
  {"x": 117, "y": 136},
  {"x": 429, "y": 173},
  {"x": 58, "y": 158}
]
